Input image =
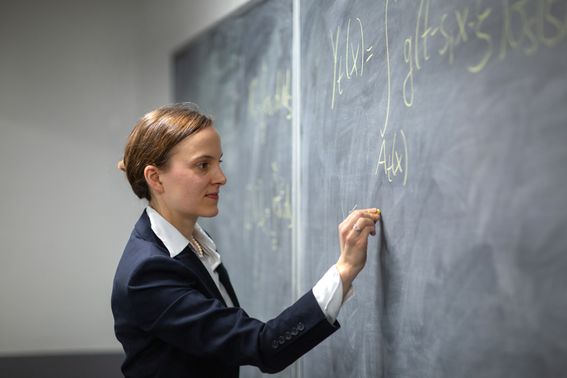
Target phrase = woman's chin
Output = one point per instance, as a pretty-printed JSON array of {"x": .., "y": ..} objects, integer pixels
[{"x": 211, "y": 213}]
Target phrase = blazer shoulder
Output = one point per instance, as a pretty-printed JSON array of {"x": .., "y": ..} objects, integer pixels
[
  {"x": 142, "y": 246},
  {"x": 143, "y": 243},
  {"x": 141, "y": 254}
]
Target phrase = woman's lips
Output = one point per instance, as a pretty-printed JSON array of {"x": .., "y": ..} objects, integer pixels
[{"x": 214, "y": 196}]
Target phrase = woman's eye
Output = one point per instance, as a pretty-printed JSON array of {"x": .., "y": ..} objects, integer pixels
[{"x": 203, "y": 166}]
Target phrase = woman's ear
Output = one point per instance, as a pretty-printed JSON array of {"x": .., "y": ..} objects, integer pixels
[{"x": 151, "y": 174}]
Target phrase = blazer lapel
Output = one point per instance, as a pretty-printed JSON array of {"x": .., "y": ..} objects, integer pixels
[
  {"x": 191, "y": 261},
  {"x": 223, "y": 277}
]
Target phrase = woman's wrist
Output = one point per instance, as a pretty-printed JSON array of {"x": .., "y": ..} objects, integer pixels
[{"x": 347, "y": 274}]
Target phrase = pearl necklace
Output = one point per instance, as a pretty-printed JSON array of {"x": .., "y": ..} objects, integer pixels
[{"x": 196, "y": 244}]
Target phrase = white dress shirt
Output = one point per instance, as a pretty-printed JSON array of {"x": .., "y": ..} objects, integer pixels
[{"x": 328, "y": 291}]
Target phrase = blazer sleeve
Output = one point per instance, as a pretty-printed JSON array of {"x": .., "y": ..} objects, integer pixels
[{"x": 166, "y": 302}]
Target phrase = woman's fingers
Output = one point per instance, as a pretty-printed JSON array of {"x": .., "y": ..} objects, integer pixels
[
  {"x": 373, "y": 214},
  {"x": 363, "y": 225},
  {"x": 360, "y": 222},
  {"x": 353, "y": 235}
]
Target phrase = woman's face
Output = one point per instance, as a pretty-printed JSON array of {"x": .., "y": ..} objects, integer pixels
[{"x": 193, "y": 177}]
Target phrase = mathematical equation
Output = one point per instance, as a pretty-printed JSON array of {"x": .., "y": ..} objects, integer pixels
[
  {"x": 350, "y": 45},
  {"x": 393, "y": 154},
  {"x": 393, "y": 157},
  {"x": 525, "y": 25},
  {"x": 269, "y": 204},
  {"x": 522, "y": 25},
  {"x": 266, "y": 98}
]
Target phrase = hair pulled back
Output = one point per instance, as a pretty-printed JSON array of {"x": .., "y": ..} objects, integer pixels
[{"x": 153, "y": 138}]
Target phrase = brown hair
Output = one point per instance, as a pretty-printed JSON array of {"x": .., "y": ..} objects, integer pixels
[{"x": 153, "y": 138}]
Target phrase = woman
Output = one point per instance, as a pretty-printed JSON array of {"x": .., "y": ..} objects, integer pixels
[{"x": 176, "y": 313}]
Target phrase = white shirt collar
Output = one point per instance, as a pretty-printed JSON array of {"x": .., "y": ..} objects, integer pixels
[
  {"x": 174, "y": 240},
  {"x": 175, "y": 243}
]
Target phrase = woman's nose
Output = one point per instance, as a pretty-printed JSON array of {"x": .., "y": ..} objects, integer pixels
[{"x": 220, "y": 178}]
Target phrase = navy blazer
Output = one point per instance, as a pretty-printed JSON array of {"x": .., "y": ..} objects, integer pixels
[{"x": 173, "y": 322}]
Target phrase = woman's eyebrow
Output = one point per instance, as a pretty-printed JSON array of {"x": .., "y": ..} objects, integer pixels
[{"x": 208, "y": 157}]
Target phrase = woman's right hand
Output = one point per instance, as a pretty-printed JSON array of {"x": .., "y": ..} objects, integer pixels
[{"x": 353, "y": 238}]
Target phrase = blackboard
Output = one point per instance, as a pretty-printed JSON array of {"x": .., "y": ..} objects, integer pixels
[
  {"x": 239, "y": 72},
  {"x": 449, "y": 116}
]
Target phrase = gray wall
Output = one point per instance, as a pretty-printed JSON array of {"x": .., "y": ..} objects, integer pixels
[{"x": 74, "y": 78}]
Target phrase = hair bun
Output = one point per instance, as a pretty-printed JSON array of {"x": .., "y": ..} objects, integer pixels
[{"x": 120, "y": 165}]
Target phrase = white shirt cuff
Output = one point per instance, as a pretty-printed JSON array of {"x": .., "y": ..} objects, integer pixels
[{"x": 329, "y": 294}]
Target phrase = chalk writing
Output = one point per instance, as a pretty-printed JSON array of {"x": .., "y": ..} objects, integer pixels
[
  {"x": 269, "y": 96},
  {"x": 351, "y": 46},
  {"x": 269, "y": 205},
  {"x": 407, "y": 88},
  {"x": 388, "y": 72},
  {"x": 266, "y": 97},
  {"x": 526, "y": 26},
  {"x": 393, "y": 158}
]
